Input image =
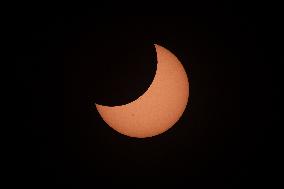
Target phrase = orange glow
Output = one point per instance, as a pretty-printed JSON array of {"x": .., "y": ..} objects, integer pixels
[{"x": 159, "y": 108}]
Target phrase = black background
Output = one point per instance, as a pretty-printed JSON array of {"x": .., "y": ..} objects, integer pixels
[{"x": 73, "y": 58}]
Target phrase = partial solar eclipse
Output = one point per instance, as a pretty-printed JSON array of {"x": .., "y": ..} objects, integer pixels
[{"x": 159, "y": 108}]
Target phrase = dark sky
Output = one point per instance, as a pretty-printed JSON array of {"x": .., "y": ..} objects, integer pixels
[{"x": 78, "y": 58}]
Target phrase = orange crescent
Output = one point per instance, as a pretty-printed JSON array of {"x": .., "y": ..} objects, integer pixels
[{"x": 159, "y": 108}]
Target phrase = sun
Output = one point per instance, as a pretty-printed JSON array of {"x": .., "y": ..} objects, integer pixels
[{"x": 159, "y": 108}]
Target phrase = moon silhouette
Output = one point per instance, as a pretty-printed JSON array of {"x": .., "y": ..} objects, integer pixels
[{"x": 159, "y": 108}]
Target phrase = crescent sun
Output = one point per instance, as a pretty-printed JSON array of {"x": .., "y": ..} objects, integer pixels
[{"x": 159, "y": 108}]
